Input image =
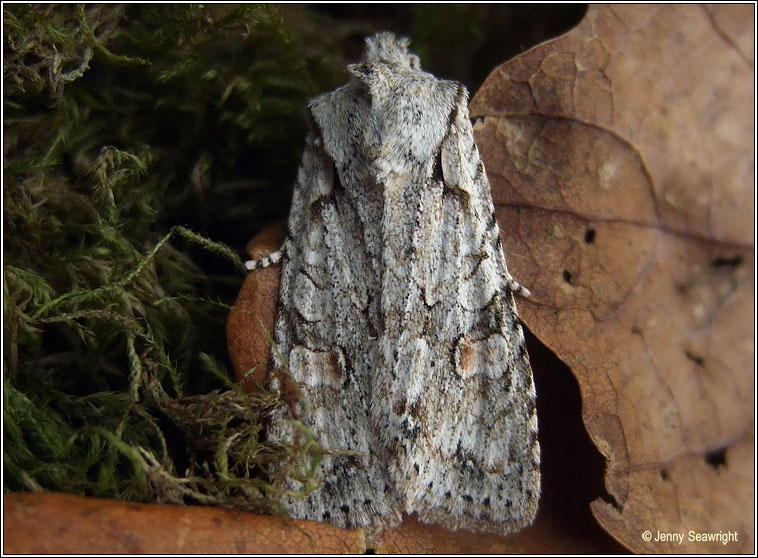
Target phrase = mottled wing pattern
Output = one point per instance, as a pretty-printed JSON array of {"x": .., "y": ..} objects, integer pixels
[
  {"x": 464, "y": 423},
  {"x": 325, "y": 327},
  {"x": 396, "y": 314}
]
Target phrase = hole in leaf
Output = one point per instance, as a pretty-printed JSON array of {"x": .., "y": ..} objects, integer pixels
[
  {"x": 726, "y": 262},
  {"x": 567, "y": 276},
  {"x": 694, "y": 358},
  {"x": 716, "y": 458},
  {"x": 664, "y": 475},
  {"x": 589, "y": 236}
]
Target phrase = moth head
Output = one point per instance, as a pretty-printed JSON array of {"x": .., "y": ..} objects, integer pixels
[{"x": 386, "y": 48}]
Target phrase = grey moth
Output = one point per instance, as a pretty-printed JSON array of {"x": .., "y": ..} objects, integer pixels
[{"x": 396, "y": 312}]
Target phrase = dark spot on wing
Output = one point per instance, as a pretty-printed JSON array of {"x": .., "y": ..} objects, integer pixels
[{"x": 437, "y": 175}]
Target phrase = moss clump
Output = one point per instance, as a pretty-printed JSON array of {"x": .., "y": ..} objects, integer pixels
[{"x": 119, "y": 119}]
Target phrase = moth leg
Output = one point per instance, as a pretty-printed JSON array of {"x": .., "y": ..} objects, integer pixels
[{"x": 272, "y": 258}]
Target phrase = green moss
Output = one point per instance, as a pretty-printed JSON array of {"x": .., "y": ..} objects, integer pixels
[{"x": 118, "y": 121}]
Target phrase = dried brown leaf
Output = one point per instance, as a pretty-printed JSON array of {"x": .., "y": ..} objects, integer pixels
[
  {"x": 250, "y": 324},
  {"x": 54, "y": 523},
  {"x": 621, "y": 162}
]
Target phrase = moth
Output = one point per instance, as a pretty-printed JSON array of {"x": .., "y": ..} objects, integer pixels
[{"x": 396, "y": 312}]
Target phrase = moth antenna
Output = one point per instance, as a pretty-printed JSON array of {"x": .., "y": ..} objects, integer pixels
[{"x": 517, "y": 288}]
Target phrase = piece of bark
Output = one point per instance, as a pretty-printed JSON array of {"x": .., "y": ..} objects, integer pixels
[{"x": 621, "y": 162}]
